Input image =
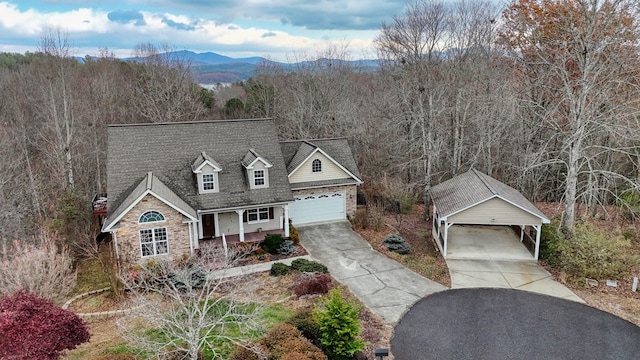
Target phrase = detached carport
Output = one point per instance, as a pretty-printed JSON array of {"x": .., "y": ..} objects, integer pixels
[{"x": 474, "y": 198}]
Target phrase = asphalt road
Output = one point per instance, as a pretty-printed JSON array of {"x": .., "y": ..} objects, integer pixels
[{"x": 510, "y": 324}]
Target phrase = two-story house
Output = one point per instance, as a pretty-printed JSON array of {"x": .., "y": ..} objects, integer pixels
[{"x": 173, "y": 185}]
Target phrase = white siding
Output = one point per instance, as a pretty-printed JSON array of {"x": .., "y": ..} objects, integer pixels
[
  {"x": 330, "y": 171},
  {"x": 258, "y": 166},
  {"x": 494, "y": 212},
  {"x": 208, "y": 169},
  {"x": 228, "y": 223}
]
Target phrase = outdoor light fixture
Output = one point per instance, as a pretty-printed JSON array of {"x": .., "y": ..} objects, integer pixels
[{"x": 381, "y": 353}]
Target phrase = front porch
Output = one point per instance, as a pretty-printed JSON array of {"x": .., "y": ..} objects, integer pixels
[
  {"x": 252, "y": 237},
  {"x": 243, "y": 225}
]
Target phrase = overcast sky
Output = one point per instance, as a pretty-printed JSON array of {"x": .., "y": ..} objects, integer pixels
[{"x": 277, "y": 29}]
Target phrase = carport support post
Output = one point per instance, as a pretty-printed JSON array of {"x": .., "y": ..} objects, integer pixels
[
  {"x": 446, "y": 237},
  {"x": 537, "y": 251},
  {"x": 521, "y": 233}
]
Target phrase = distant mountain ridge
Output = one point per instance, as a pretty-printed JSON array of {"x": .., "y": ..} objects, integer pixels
[{"x": 213, "y": 68}]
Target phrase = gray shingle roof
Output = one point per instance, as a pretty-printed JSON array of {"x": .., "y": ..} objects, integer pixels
[
  {"x": 473, "y": 187},
  {"x": 295, "y": 152},
  {"x": 150, "y": 182},
  {"x": 251, "y": 156},
  {"x": 169, "y": 149},
  {"x": 201, "y": 159}
]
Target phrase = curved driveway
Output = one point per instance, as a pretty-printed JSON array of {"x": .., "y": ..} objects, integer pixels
[
  {"x": 510, "y": 324},
  {"x": 382, "y": 284}
]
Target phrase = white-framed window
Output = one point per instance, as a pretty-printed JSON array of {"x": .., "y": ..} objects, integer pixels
[
  {"x": 154, "y": 241},
  {"x": 151, "y": 216},
  {"x": 316, "y": 166},
  {"x": 208, "y": 182},
  {"x": 257, "y": 215},
  {"x": 259, "y": 178}
]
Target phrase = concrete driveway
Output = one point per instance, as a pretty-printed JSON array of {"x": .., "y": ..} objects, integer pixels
[
  {"x": 382, "y": 284},
  {"x": 524, "y": 275},
  {"x": 493, "y": 257},
  {"x": 485, "y": 242}
]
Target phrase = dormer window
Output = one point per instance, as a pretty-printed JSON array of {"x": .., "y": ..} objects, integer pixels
[
  {"x": 206, "y": 170},
  {"x": 258, "y": 178},
  {"x": 257, "y": 169},
  {"x": 208, "y": 182},
  {"x": 316, "y": 166}
]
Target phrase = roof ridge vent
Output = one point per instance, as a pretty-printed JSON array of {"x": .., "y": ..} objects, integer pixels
[{"x": 485, "y": 182}]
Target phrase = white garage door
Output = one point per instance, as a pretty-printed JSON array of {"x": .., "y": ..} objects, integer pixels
[{"x": 317, "y": 207}]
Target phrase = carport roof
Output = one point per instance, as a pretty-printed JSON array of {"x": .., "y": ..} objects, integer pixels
[{"x": 472, "y": 188}]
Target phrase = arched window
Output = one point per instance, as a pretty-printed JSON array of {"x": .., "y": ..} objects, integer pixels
[
  {"x": 151, "y": 216},
  {"x": 316, "y": 165}
]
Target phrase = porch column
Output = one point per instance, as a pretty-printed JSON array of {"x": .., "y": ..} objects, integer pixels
[
  {"x": 190, "y": 228},
  {"x": 241, "y": 233},
  {"x": 196, "y": 238},
  {"x": 522, "y": 232},
  {"x": 216, "y": 225},
  {"x": 537, "y": 251},
  {"x": 114, "y": 237},
  {"x": 286, "y": 220}
]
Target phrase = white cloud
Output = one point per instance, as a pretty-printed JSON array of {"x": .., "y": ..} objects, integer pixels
[{"x": 89, "y": 29}]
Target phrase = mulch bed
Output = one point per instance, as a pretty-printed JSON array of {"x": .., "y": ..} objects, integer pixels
[
  {"x": 266, "y": 257},
  {"x": 425, "y": 258}
]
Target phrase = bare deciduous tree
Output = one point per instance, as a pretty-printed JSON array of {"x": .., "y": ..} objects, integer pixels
[
  {"x": 190, "y": 305},
  {"x": 582, "y": 59},
  {"x": 37, "y": 267},
  {"x": 165, "y": 91}
]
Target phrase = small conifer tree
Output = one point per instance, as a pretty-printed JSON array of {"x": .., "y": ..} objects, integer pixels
[{"x": 339, "y": 327}]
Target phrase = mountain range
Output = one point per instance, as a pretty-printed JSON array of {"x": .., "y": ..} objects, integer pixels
[{"x": 212, "y": 68}]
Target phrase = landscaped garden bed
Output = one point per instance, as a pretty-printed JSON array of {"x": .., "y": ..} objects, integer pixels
[
  {"x": 279, "y": 301},
  {"x": 424, "y": 257}
]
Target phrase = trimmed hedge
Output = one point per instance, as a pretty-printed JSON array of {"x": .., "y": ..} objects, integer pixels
[
  {"x": 279, "y": 269},
  {"x": 312, "y": 283},
  {"x": 272, "y": 243},
  {"x": 304, "y": 265}
]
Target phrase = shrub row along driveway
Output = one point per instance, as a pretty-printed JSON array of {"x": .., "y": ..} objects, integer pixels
[{"x": 382, "y": 284}]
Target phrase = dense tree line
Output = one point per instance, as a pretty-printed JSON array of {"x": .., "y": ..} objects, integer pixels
[
  {"x": 542, "y": 95},
  {"x": 53, "y": 115}
]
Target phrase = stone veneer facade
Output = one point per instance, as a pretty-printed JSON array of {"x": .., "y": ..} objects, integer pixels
[
  {"x": 350, "y": 193},
  {"x": 128, "y": 236}
]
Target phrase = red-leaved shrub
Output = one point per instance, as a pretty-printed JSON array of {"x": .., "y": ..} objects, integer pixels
[
  {"x": 35, "y": 328},
  {"x": 312, "y": 283}
]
